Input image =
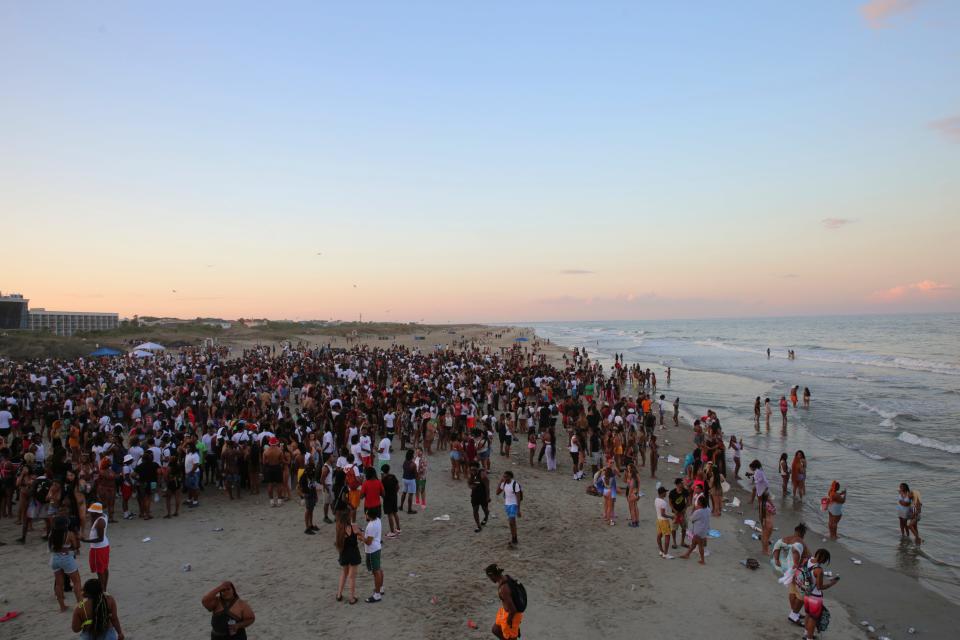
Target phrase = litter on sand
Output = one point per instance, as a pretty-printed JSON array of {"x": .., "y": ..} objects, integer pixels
[
  {"x": 472, "y": 624},
  {"x": 750, "y": 523},
  {"x": 217, "y": 529},
  {"x": 855, "y": 561},
  {"x": 755, "y": 536},
  {"x": 673, "y": 460},
  {"x": 147, "y": 539},
  {"x": 443, "y": 518},
  {"x": 735, "y": 502},
  {"x": 713, "y": 533}
]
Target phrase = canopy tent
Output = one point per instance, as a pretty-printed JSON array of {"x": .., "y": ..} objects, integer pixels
[
  {"x": 105, "y": 352},
  {"x": 521, "y": 339},
  {"x": 149, "y": 346},
  {"x": 139, "y": 353}
]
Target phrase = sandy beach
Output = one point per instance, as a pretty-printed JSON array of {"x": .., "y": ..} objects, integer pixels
[{"x": 583, "y": 577}]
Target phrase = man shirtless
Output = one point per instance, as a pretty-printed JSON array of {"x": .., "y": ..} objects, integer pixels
[
  {"x": 273, "y": 469},
  {"x": 507, "y": 625}
]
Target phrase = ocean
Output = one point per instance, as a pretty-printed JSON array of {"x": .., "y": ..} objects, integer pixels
[{"x": 885, "y": 409}]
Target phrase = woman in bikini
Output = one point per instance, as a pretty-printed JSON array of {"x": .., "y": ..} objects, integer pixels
[
  {"x": 231, "y": 615},
  {"x": 798, "y": 473},
  {"x": 95, "y": 617},
  {"x": 834, "y": 501},
  {"x": 633, "y": 495},
  {"x": 784, "y": 467}
]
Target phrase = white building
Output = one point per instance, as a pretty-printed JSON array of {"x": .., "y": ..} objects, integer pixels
[{"x": 66, "y": 323}]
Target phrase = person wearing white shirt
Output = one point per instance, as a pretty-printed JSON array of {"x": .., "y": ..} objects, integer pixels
[
  {"x": 372, "y": 547},
  {"x": 383, "y": 453},
  {"x": 663, "y": 523},
  {"x": 512, "y": 497},
  {"x": 191, "y": 468}
]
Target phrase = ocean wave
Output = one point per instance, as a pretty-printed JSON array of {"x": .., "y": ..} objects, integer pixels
[
  {"x": 930, "y": 443},
  {"x": 889, "y": 362},
  {"x": 888, "y": 416}
]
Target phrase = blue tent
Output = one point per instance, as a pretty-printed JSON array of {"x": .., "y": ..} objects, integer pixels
[
  {"x": 105, "y": 352},
  {"x": 521, "y": 339}
]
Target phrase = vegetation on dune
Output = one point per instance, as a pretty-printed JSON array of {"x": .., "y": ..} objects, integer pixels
[{"x": 23, "y": 345}]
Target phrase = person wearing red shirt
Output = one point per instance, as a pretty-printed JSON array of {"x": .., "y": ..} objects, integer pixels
[{"x": 372, "y": 490}]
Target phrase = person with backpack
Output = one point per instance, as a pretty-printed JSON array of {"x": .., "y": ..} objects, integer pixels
[
  {"x": 811, "y": 584},
  {"x": 512, "y": 497},
  {"x": 513, "y": 603}
]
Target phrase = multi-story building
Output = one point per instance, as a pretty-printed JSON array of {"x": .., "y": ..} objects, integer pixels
[
  {"x": 13, "y": 311},
  {"x": 66, "y": 323}
]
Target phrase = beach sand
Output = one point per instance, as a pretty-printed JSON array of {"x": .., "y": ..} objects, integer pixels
[{"x": 583, "y": 577}]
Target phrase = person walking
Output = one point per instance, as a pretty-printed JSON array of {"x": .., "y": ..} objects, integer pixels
[
  {"x": 513, "y": 603},
  {"x": 512, "y": 497}
]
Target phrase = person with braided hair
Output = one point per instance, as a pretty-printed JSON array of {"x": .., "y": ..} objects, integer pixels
[{"x": 96, "y": 617}]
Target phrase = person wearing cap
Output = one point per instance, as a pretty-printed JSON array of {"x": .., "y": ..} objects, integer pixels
[
  {"x": 99, "y": 544},
  {"x": 273, "y": 469}
]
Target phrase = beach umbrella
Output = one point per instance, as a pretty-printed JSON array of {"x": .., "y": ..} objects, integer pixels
[
  {"x": 140, "y": 353},
  {"x": 105, "y": 352}
]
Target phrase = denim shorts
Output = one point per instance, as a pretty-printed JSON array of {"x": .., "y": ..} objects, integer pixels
[
  {"x": 511, "y": 510},
  {"x": 409, "y": 486},
  {"x": 63, "y": 562}
]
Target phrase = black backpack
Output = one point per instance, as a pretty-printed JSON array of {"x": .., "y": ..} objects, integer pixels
[
  {"x": 518, "y": 594},
  {"x": 41, "y": 489}
]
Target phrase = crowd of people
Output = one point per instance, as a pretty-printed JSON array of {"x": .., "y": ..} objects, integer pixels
[{"x": 89, "y": 441}]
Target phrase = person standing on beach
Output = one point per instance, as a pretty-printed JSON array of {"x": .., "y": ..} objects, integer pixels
[
  {"x": 908, "y": 511},
  {"x": 812, "y": 585},
  {"x": 510, "y": 613},
  {"x": 679, "y": 497},
  {"x": 676, "y": 411},
  {"x": 307, "y": 487},
  {"x": 834, "y": 506},
  {"x": 391, "y": 486},
  {"x": 409, "y": 482},
  {"x": 371, "y": 547},
  {"x": 798, "y": 474},
  {"x": 793, "y": 395},
  {"x": 784, "y": 468},
  {"x": 788, "y": 556},
  {"x": 512, "y": 497},
  {"x": 700, "y": 520},
  {"x": 768, "y": 411},
  {"x": 756, "y": 413},
  {"x": 272, "y": 469},
  {"x": 806, "y": 397},
  {"x": 654, "y": 455},
  {"x": 663, "y": 523},
  {"x": 479, "y": 483},
  {"x": 99, "y": 544},
  {"x": 348, "y": 549},
  {"x": 96, "y": 616},
  {"x": 230, "y": 615},
  {"x": 783, "y": 410}
]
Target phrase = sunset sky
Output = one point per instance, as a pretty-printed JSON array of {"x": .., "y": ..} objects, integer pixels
[{"x": 496, "y": 161}]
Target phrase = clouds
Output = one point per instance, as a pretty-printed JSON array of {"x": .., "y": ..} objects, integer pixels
[
  {"x": 949, "y": 127},
  {"x": 877, "y": 12},
  {"x": 576, "y": 272},
  {"x": 923, "y": 288},
  {"x": 835, "y": 223}
]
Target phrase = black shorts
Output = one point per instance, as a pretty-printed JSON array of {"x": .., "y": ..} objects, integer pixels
[{"x": 272, "y": 473}]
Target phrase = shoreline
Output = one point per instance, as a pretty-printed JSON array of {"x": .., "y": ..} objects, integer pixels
[{"x": 583, "y": 576}]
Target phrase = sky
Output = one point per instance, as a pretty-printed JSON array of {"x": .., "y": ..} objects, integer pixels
[{"x": 488, "y": 162}]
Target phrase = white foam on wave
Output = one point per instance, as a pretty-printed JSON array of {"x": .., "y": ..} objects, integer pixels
[
  {"x": 930, "y": 443},
  {"x": 718, "y": 344}
]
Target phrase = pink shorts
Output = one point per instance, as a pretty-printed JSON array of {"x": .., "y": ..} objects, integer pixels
[{"x": 813, "y": 605}]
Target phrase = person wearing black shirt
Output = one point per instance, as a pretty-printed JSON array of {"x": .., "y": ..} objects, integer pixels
[
  {"x": 679, "y": 498},
  {"x": 147, "y": 472}
]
